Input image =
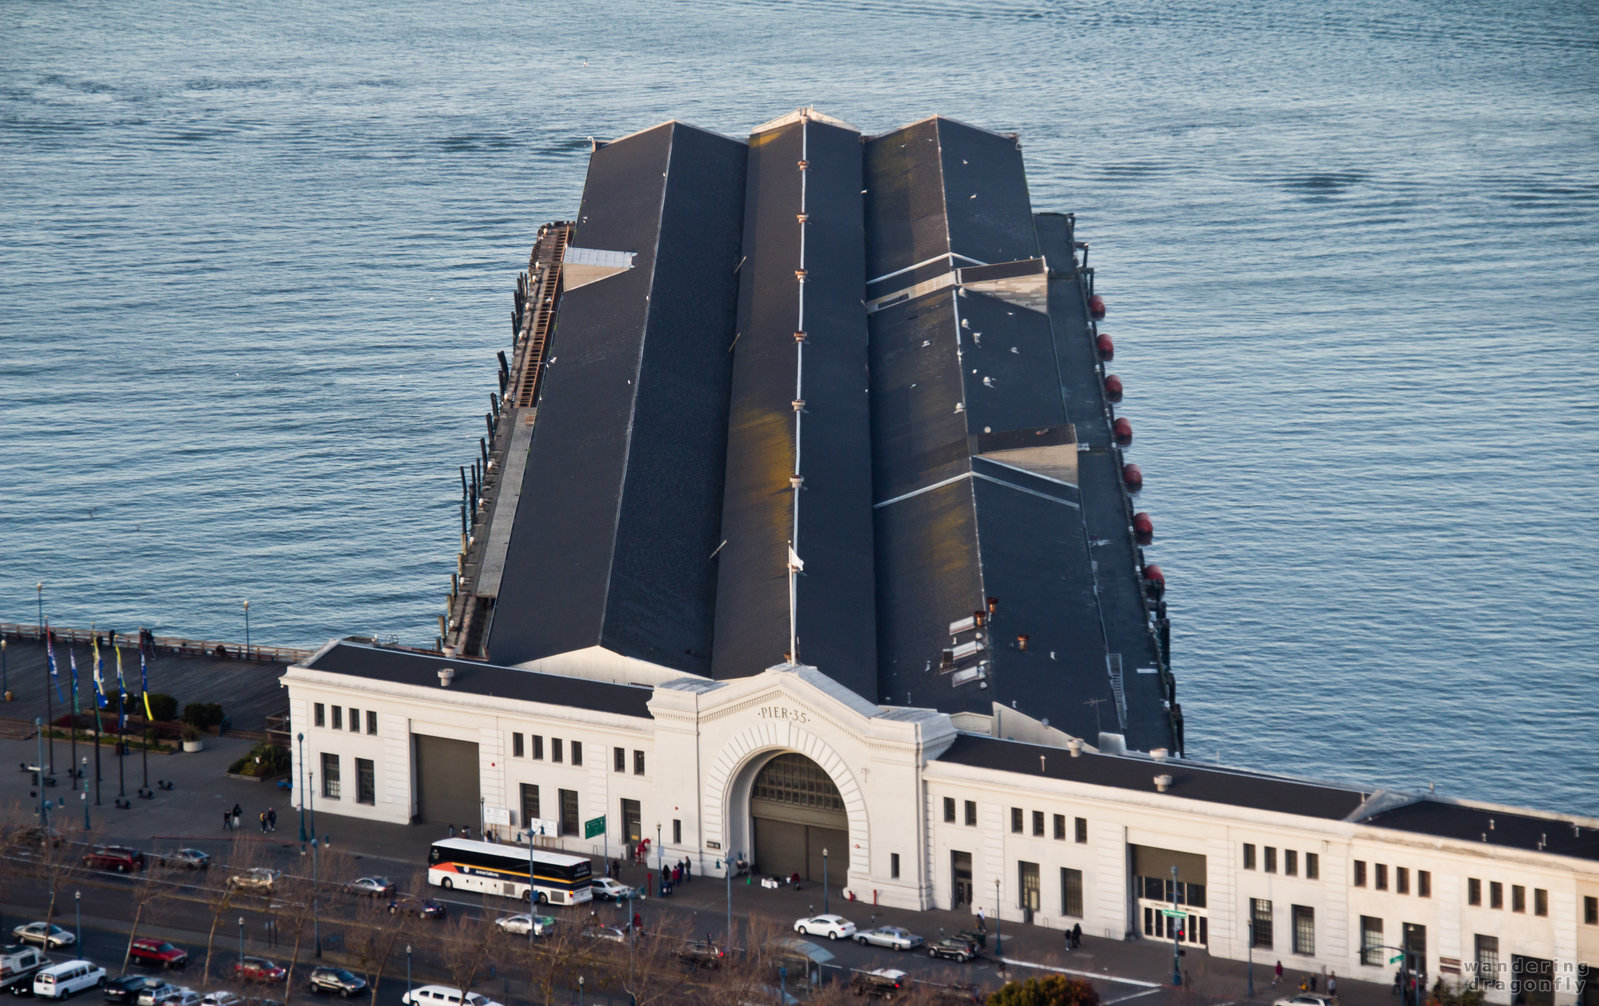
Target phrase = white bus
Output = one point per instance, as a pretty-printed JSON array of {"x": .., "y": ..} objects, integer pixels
[{"x": 470, "y": 865}]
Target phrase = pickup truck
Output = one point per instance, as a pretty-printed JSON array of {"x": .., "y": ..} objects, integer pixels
[{"x": 18, "y": 963}]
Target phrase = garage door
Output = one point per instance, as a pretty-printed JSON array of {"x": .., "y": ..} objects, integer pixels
[
  {"x": 446, "y": 781},
  {"x": 797, "y": 812}
]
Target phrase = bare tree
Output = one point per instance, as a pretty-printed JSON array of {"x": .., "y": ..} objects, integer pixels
[
  {"x": 245, "y": 855},
  {"x": 300, "y": 896},
  {"x": 375, "y": 934},
  {"x": 147, "y": 890}
]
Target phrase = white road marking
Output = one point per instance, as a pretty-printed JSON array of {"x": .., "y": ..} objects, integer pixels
[{"x": 1137, "y": 982}]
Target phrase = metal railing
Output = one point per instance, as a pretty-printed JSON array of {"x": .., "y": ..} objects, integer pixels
[{"x": 162, "y": 644}]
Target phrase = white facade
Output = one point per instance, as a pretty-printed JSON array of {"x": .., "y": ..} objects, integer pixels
[{"x": 691, "y": 762}]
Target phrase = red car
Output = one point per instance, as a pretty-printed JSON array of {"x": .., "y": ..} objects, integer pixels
[
  {"x": 114, "y": 857},
  {"x": 259, "y": 969},
  {"x": 158, "y": 953}
]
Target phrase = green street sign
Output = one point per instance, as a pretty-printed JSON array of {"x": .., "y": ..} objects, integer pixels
[
  {"x": 1172, "y": 914},
  {"x": 1396, "y": 960},
  {"x": 594, "y": 826}
]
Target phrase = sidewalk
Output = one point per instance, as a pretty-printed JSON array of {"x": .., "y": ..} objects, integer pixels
[{"x": 190, "y": 814}]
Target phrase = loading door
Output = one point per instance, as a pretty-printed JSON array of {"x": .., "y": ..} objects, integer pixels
[
  {"x": 797, "y": 813},
  {"x": 446, "y": 781}
]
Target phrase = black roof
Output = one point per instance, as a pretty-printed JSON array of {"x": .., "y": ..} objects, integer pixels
[
  {"x": 409, "y": 667},
  {"x": 1189, "y": 780},
  {"x": 620, "y": 502},
  {"x": 832, "y": 531},
  {"x": 1493, "y": 826}
]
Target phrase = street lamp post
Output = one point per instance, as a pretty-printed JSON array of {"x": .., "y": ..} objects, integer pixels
[
  {"x": 247, "y": 629},
  {"x": 1249, "y": 930},
  {"x": 660, "y": 859},
  {"x": 5, "y": 673},
  {"x": 1176, "y": 928},
  {"x": 999, "y": 926},
  {"x": 579, "y": 990},
  {"x": 83, "y": 796},
  {"x": 49, "y": 711},
  {"x": 727, "y": 872},
  {"x": 77, "y": 911},
  {"x": 241, "y": 937},
  {"x": 408, "y": 972},
  {"x": 824, "y": 881},
  {"x": 38, "y": 733},
  {"x": 301, "y": 738}
]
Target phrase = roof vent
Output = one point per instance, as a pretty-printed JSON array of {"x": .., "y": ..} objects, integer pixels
[
  {"x": 1162, "y": 783},
  {"x": 1159, "y": 754},
  {"x": 1075, "y": 746},
  {"x": 446, "y": 675}
]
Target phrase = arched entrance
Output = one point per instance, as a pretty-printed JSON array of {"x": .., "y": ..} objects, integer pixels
[{"x": 797, "y": 811}]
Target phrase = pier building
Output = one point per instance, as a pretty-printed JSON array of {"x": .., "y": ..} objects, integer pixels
[{"x": 802, "y": 530}]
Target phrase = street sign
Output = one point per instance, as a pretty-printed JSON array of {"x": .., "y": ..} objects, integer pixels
[
  {"x": 594, "y": 826},
  {"x": 1396, "y": 960},
  {"x": 1173, "y": 914}
]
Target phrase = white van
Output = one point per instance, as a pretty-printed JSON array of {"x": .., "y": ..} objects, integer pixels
[
  {"x": 443, "y": 995},
  {"x": 62, "y": 980}
]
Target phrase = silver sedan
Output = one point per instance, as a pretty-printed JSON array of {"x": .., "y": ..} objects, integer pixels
[{"x": 893, "y": 937}]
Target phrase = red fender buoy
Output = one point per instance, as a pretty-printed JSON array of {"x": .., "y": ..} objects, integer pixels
[
  {"x": 1096, "y": 306},
  {"x": 1107, "y": 348},
  {"x": 1132, "y": 477},
  {"x": 1123, "y": 430},
  {"x": 1153, "y": 574},
  {"x": 1113, "y": 387},
  {"x": 1143, "y": 527}
]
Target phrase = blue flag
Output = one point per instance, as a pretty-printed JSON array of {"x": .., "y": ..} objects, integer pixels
[
  {"x": 72, "y": 657},
  {"x": 122, "y": 694},
  {"x": 144, "y": 686},
  {"x": 50, "y": 652}
]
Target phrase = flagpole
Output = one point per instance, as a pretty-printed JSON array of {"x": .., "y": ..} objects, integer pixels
[
  {"x": 96, "y": 747},
  {"x": 144, "y": 722},
  {"x": 49, "y": 707},
  {"x": 122, "y": 781},
  {"x": 72, "y": 765}
]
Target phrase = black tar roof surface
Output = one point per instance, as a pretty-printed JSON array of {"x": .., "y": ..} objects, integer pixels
[{"x": 406, "y": 667}]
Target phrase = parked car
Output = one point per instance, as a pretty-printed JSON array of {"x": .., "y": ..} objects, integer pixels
[
  {"x": 258, "y": 969},
  {"x": 830, "y": 926},
  {"x": 126, "y": 988},
  {"x": 444, "y": 995},
  {"x": 153, "y": 992},
  {"x": 702, "y": 954},
  {"x": 606, "y": 889},
  {"x": 422, "y": 908},
  {"x": 157, "y": 953},
  {"x": 373, "y": 886},
  {"x": 181, "y": 995},
  {"x": 893, "y": 937},
  {"x": 43, "y": 934},
  {"x": 337, "y": 980},
  {"x": 954, "y": 948},
  {"x": 222, "y": 999},
  {"x": 879, "y": 983},
  {"x": 1305, "y": 999},
  {"x": 18, "y": 963},
  {"x": 61, "y": 981},
  {"x": 612, "y": 934},
  {"x": 120, "y": 858},
  {"x": 183, "y": 859},
  {"x": 259, "y": 878},
  {"x": 518, "y": 925},
  {"x": 951, "y": 995}
]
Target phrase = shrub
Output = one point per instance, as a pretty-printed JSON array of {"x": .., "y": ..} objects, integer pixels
[
  {"x": 1055, "y": 990},
  {"x": 202, "y": 715},
  {"x": 263, "y": 760},
  {"x": 163, "y": 707}
]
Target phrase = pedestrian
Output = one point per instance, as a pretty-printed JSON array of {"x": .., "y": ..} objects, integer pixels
[
  {"x": 452, "y": 831},
  {"x": 227, "y": 819},
  {"x": 688, "y": 868},
  {"x": 982, "y": 924},
  {"x": 272, "y": 819},
  {"x": 262, "y": 817},
  {"x": 1304, "y": 985},
  {"x": 638, "y": 922},
  {"x": 237, "y": 817},
  {"x": 237, "y": 812},
  {"x": 1332, "y": 984},
  {"x": 466, "y": 831},
  {"x": 1277, "y": 976},
  {"x": 1068, "y": 939},
  {"x": 1077, "y": 935},
  {"x": 1312, "y": 983}
]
